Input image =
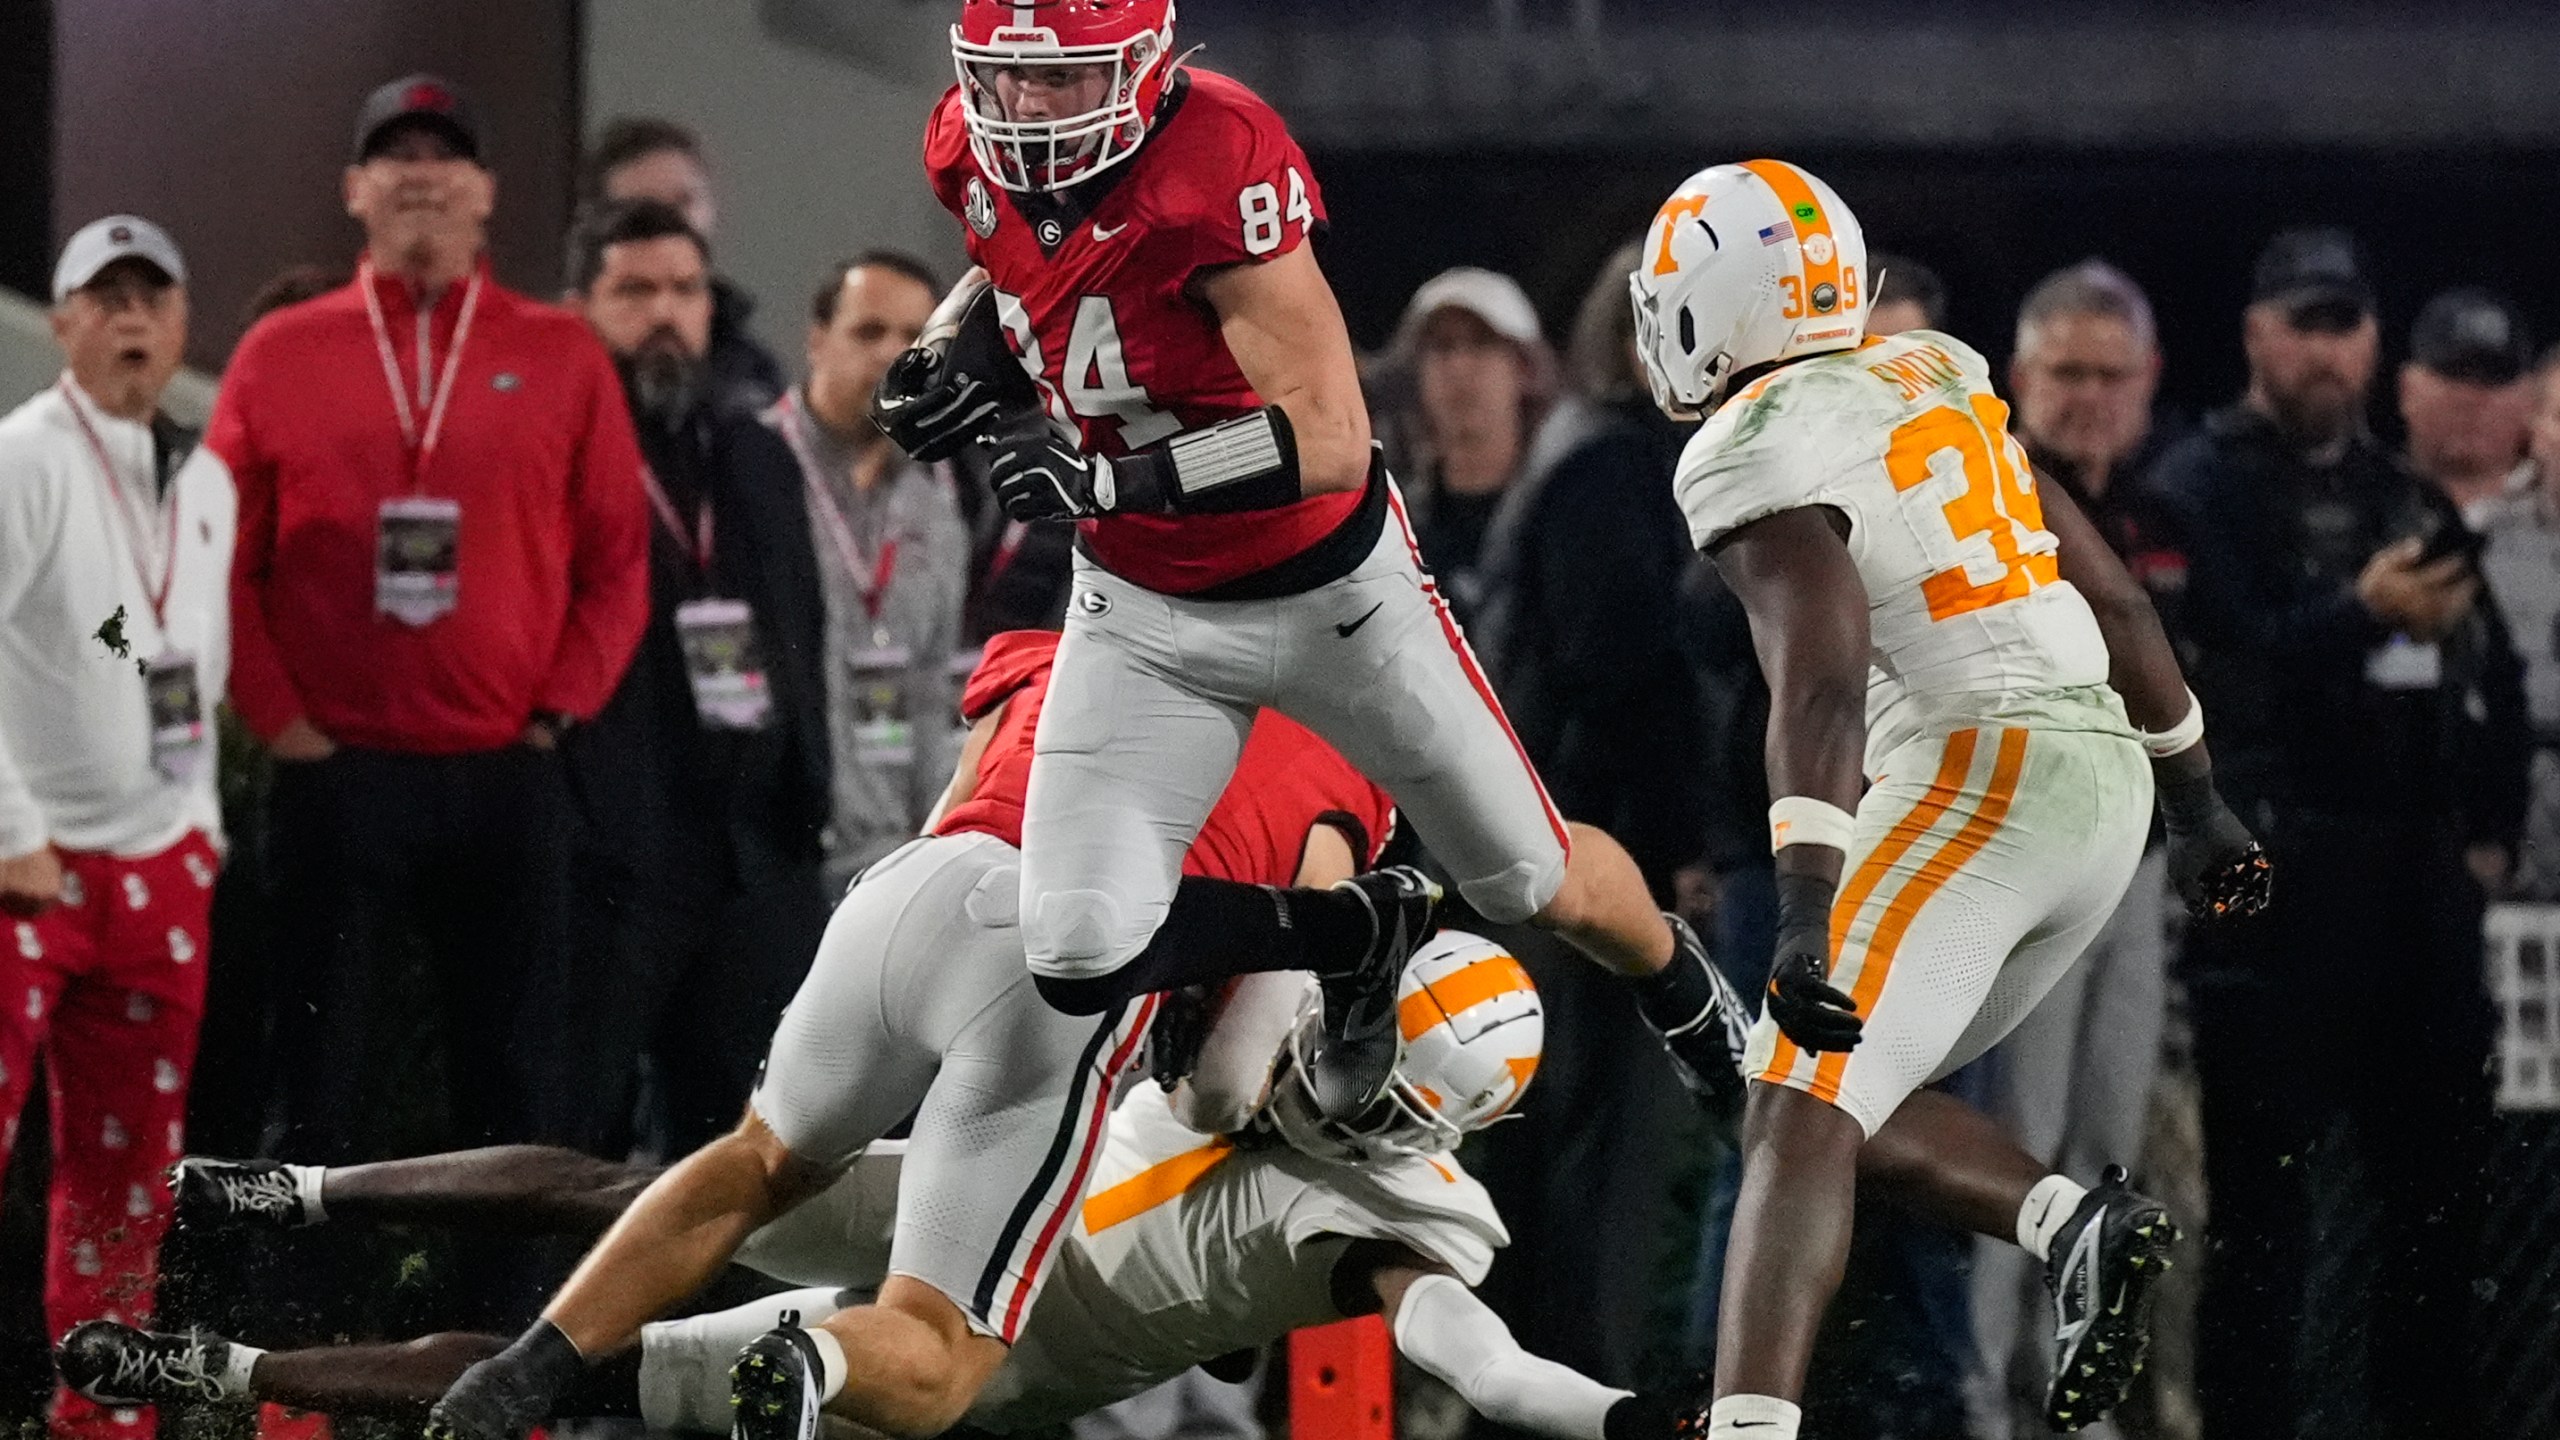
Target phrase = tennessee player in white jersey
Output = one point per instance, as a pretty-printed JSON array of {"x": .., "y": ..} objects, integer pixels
[
  {"x": 1187, "y": 1248},
  {"x": 1953, "y": 655}
]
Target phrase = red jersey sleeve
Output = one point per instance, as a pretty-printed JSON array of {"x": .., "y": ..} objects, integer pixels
[
  {"x": 1287, "y": 782},
  {"x": 1243, "y": 190},
  {"x": 1011, "y": 660}
]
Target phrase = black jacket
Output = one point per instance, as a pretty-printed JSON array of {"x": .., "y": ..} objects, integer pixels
[
  {"x": 2281, "y": 644},
  {"x": 744, "y": 374},
  {"x": 1582, "y": 567},
  {"x": 661, "y": 793}
]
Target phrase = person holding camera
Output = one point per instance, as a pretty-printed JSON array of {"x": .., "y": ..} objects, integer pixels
[{"x": 2369, "y": 726}]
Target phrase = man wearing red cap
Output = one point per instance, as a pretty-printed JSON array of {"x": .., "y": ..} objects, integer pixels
[{"x": 443, "y": 565}]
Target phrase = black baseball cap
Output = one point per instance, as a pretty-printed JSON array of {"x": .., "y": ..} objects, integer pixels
[
  {"x": 2472, "y": 335},
  {"x": 2315, "y": 274},
  {"x": 430, "y": 101}
]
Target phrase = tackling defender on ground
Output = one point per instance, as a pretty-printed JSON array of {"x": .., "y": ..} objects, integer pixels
[{"x": 1189, "y": 1248}]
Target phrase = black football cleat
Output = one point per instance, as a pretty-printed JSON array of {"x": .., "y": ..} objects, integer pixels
[
  {"x": 776, "y": 1387},
  {"x": 1706, "y": 1050},
  {"x": 2103, "y": 1269},
  {"x": 116, "y": 1364},
  {"x": 1355, "y": 1056},
  {"x": 258, "y": 1192}
]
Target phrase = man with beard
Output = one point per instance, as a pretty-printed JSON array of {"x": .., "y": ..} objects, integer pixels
[
  {"x": 2368, "y": 721},
  {"x": 441, "y": 567},
  {"x": 704, "y": 783}
]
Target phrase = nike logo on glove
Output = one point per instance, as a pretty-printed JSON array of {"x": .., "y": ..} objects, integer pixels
[{"x": 1345, "y": 630}]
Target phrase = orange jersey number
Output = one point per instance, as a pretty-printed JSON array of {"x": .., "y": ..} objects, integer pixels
[{"x": 1998, "y": 501}]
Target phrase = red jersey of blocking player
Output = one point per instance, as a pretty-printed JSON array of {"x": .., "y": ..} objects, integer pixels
[
  {"x": 1286, "y": 784},
  {"x": 1095, "y": 287}
]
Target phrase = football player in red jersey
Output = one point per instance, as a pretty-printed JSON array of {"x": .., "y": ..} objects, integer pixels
[{"x": 1141, "y": 230}]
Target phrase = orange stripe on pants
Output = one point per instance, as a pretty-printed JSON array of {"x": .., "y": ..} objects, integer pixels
[
  {"x": 1954, "y": 763},
  {"x": 1934, "y": 874}
]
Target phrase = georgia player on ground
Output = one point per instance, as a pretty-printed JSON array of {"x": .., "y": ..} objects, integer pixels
[
  {"x": 1919, "y": 619},
  {"x": 1186, "y": 391},
  {"x": 1189, "y": 1249},
  {"x": 918, "y": 1003}
]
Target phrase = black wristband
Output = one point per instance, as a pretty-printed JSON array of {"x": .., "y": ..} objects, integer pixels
[
  {"x": 1639, "y": 1417},
  {"x": 544, "y": 1355},
  {"x": 1804, "y": 902},
  {"x": 2187, "y": 804}
]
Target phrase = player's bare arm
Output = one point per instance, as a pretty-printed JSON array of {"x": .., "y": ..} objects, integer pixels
[
  {"x": 672, "y": 1240},
  {"x": 964, "y": 772},
  {"x": 1808, "y": 612},
  {"x": 2218, "y": 867},
  {"x": 1284, "y": 327}
]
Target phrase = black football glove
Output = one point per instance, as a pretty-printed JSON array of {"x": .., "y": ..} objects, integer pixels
[
  {"x": 929, "y": 410},
  {"x": 1802, "y": 1000},
  {"x": 1041, "y": 472},
  {"x": 512, "y": 1391},
  {"x": 1679, "y": 1413},
  {"x": 2219, "y": 868},
  {"x": 953, "y": 384}
]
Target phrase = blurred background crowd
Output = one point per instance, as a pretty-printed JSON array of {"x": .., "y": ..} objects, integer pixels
[{"x": 537, "y": 851}]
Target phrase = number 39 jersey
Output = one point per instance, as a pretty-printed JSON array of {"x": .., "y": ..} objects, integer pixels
[
  {"x": 1969, "y": 618},
  {"x": 1095, "y": 285}
]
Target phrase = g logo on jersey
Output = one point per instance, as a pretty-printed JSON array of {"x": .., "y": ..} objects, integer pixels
[{"x": 979, "y": 208}]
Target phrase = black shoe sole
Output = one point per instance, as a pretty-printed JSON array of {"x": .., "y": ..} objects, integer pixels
[
  {"x": 762, "y": 1390},
  {"x": 2094, "y": 1378}
]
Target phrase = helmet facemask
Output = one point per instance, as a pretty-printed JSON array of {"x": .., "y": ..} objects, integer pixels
[
  {"x": 1053, "y": 154},
  {"x": 1402, "y": 1122}
]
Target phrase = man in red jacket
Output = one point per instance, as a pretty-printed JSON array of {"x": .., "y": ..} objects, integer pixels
[{"x": 443, "y": 563}]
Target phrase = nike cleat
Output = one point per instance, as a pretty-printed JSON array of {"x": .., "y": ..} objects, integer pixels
[
  {"x": 115, "y": 1364},
  {"x": 261, "y": 1192},
  {"x": 1706, "y": 1051},
  {"x": 2104, "y": 1267},
  {"x": 1355, "y": 1056},
  {"x": 775, "y": 1387}
]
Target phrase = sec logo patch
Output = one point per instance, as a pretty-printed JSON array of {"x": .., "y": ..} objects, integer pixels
[{"x": 979, "y": 208}]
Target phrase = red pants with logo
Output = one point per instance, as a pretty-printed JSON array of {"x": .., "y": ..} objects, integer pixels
[{"x": 108, "y": 986}]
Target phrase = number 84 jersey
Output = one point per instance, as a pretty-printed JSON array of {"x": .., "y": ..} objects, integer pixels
[
  {"x": 1969, "y": 619},
  {"x": 1096, "y": 288}
]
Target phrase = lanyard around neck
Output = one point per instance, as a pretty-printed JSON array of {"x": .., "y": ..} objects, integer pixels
[
  {"x": 870, "y": 576},
  {"x": 421, "y": 443},
  {"x": 137, "y": 531}
]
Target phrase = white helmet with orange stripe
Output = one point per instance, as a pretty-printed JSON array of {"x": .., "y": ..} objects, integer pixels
[
  {"x": 1473, "y": 1029},
  {"x": 1744, "y": 265}
]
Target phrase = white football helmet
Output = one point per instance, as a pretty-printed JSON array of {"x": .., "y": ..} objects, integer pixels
[
  {"x": 1743, "y": 265},
  {"x": 1473, "y": 1029}
]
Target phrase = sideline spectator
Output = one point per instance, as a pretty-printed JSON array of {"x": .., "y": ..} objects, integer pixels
[
  {"x": 1908, "y": 295},
  {"x": 703, "y": 783},
  {"x": 2072, "y": 1083},
  {"x": 2465, "y": 397},
  {"x": 2521, "y": 561},
  {"x": 1582, "y": 564},
  {"x": 442, "y": 566},
  {"x": 2366, "y": 719},
  {"x": 115, "y": 562},
  {"x": 1482, "y": 378},
  {"x": 893, "y": 562},
  {"x": 643, "y": 157}
]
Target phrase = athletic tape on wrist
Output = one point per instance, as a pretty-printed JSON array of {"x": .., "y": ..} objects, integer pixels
[
  {"x": 2178, "y": 737},
  {"x": 1803, "y": 820}
]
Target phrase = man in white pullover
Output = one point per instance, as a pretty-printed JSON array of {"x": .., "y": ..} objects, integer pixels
[{"x": 115, "y": 563}]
